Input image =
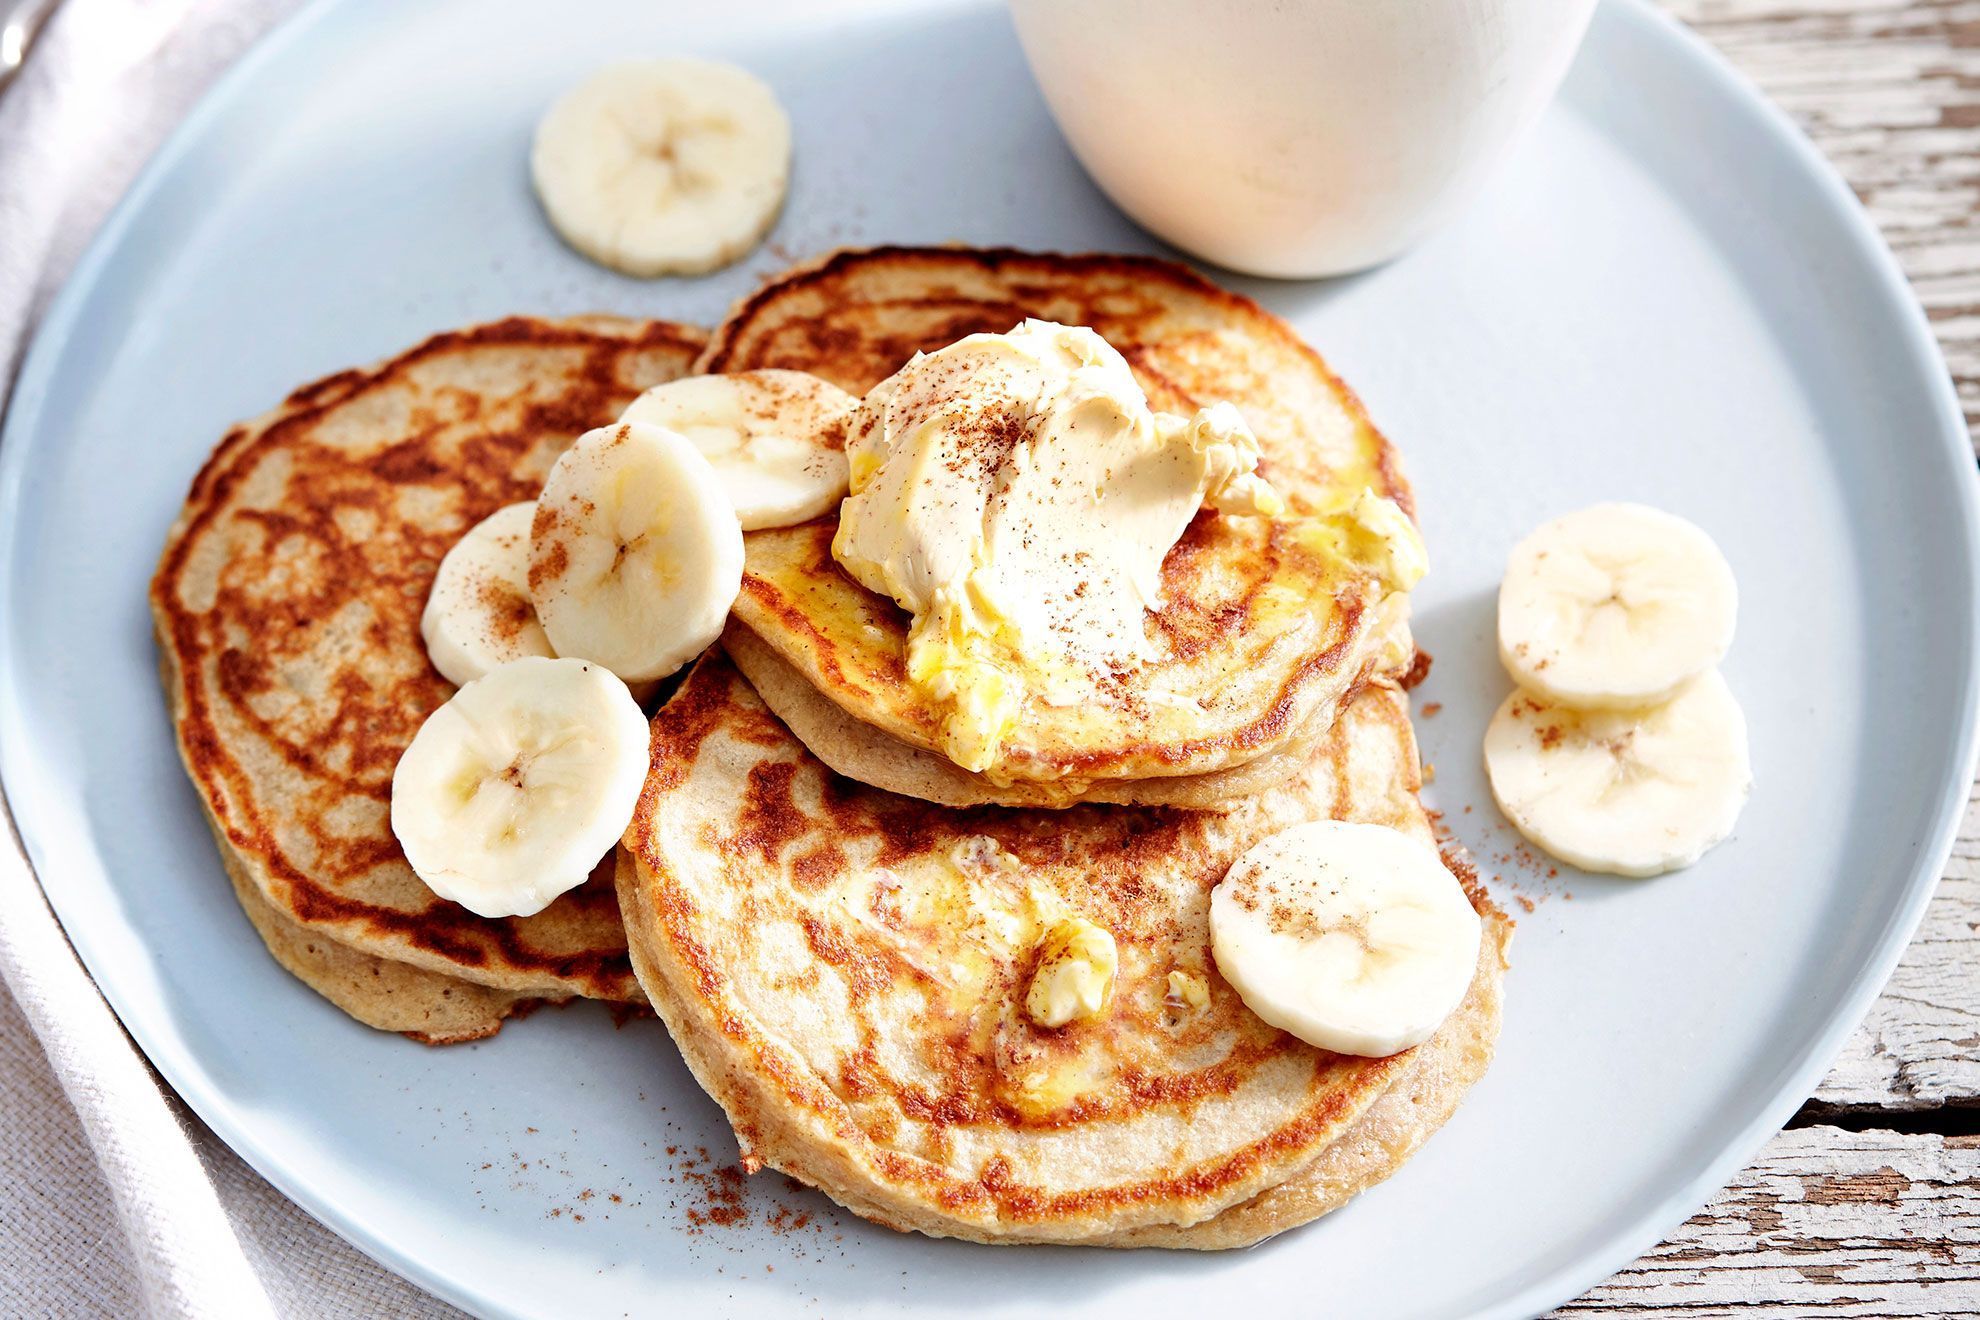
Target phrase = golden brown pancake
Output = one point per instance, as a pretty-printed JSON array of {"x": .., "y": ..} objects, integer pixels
[
  {"x": 844, "y": 969},
  {"x": 287, "y": 606},
  {"x": 393, "y": 996},
  {"x": 1264, "y": 626},
  {"x": 1415, "y": 1105},
  {"x": 860, "y": 751}
]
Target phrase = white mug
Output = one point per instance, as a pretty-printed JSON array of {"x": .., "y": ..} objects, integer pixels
[{"x": 1296, "y": 138}]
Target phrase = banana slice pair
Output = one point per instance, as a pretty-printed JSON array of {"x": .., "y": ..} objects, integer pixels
[
  {"x": 630, "y": 559},
  {"x": 1623, "y": 750},
  {"x": 663, "y": 166},
  {"x": 510, "y": 793}
]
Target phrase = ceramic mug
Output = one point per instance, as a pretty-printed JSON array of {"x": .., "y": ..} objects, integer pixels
[{"x": 1296, "y": 138}]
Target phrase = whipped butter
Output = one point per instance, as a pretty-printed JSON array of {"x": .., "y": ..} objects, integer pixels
[{"x": 1017, "y": 495}]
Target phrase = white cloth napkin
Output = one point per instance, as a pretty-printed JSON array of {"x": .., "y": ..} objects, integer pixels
[{"x": 114, "y": 1201}]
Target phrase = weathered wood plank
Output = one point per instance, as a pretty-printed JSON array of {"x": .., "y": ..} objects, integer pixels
[
  {"x": 1919, "y": 1048},
  {"x": 1827, "y": 1222}
]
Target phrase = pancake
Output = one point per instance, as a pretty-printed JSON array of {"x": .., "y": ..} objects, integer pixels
[
  {"x": 287, "y": 607},
  {"x": 1409, "y": 1112},
  {"x": 860, "y": 751},
  {"x": 430, "y": 1008},
  {"x": 1263, "y": 627},
  {"x": 842, "y": 969},
  {"x": 392, "y": 996},
  {"x": 1436, "y": 1078}
]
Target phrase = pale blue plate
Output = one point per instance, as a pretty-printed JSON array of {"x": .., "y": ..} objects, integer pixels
[{"x": 1667, "y": 297}]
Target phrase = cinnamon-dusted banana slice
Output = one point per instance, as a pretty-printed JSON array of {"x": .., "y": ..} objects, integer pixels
[
  {"x": 635, "y": 556},
  {"x": 776, "y": 439},
  {"x": 1615, "y": 606}
]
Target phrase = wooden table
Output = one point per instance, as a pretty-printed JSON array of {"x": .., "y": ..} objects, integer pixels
[{"x": 1869, "y": 1203}]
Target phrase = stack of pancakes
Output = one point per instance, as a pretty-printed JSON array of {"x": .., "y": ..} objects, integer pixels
[
  {"x": 837, "y": 923},
  {"x": 287, "y": 606}
]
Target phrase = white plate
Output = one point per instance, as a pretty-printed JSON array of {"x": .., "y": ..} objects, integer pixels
[{"x": 1666, "y": 298}]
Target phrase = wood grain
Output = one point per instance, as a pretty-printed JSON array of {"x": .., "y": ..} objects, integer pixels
[
  {"x": 1829, "y": 1222},
  {"x": 1862, "y": 1219},
  {"x": 1919, "y": 1049}
]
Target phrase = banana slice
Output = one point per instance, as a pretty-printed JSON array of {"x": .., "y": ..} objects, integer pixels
[
  {"x": 1627, "y": 792},
  {"x": 662, "y": 166},
  {"x": 635, "y": 556},
  {"x": 478, "y": 615},
  {"x": 1352, "y": 937},
  {"x": 510, "y": 793},
  {"x": 1615, "y": 606},
  {"x": 777, "y": 439}
]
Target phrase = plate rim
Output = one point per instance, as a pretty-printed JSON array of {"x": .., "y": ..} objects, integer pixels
[{"x": 1840, "y": 208}]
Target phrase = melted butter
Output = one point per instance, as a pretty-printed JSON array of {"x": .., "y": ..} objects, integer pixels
[
  {"x": 975, "y": 910},
  {"x": 975, "y": 919},
  {"x": 1187, "y": 990},
  {"x": 1047, "y": 1088},
  {"x": 1077, "y": 964},
  {"x": 1371, "y": 533}
]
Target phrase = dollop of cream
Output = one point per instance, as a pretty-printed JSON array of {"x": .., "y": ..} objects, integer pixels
[{"x": 1017, "y": 495}]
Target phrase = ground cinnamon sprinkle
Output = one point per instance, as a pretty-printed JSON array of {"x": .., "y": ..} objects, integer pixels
[
  {"x": 697, "y": 1195},
  {"x": 722, "y": 1193},
  {"x": 786, "y": 1220},
  {"x": 1518, "y": 867},
  {"x": 1458, "y": 862},
  {"x": 722, "y": 1199},
  {"x": 1431, "y": 708}
]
